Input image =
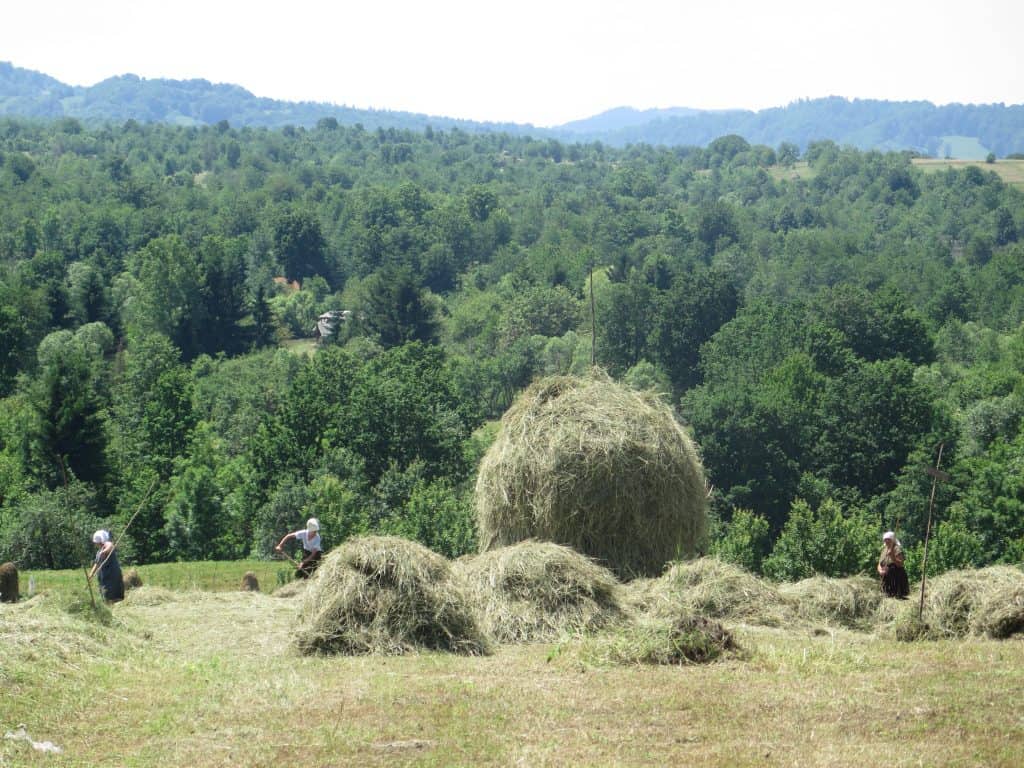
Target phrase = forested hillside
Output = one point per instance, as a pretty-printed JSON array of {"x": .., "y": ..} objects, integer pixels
[
  {"x": 968, "y": 131},
  {"x": 822, "y": 328}
]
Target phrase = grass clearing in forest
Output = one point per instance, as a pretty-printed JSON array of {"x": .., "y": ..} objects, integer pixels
[
  {"x": 212, "y": 679},
  {"x": 1010, "y": 171}
]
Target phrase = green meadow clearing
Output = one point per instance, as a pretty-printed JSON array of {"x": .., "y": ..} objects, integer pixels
[{"x": 208, "y": 677}]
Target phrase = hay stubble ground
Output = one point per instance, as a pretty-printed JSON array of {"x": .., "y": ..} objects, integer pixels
[{"x": 212, "y": 680}]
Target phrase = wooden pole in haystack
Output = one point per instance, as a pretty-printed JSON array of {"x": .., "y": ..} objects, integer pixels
[
  {"x": 936, "y": 475},
  {"x": 593, "y": 320}
]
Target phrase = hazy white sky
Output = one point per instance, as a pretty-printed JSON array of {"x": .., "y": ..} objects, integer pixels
[{"x": 539, "y": 61}]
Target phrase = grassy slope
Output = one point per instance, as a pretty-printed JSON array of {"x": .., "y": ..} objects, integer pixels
[{"x": 209, "y": 679}]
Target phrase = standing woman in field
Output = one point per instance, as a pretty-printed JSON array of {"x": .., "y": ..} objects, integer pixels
[
  {"x": 310, "y": 538},
  {"x": 890, "y": 568},
  {"x": 107, "y": 567}
]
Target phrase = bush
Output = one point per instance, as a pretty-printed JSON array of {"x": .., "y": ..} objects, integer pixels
[
  {"x": 745, "y": 541},
  {"x": 824, "y": 541}
]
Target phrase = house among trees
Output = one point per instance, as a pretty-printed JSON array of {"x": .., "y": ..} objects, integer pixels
[{"x": 328, "y": 323}]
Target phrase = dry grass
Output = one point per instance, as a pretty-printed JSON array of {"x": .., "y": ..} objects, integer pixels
[
  {"x": 597, "y": 466},
  {"x": 213, "y": 681},
  {"x": 539, "y": 591},
  {"x": 714, "y": 589},
  {"x": 386, "y": 595},
  {"x": 851, "y": 602}
]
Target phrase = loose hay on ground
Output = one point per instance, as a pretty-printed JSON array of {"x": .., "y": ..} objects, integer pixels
[
  {"x": 712, "y": 588},
  {"x": 851, "y": 602},
  {"x": 152, "y": 596},
  {"x": 685, "y": 639},
  {"x": 539, "y": 591},
  {"x": 386, "y": 595},
  {"x": 291, "y": 589},
  {"x": 597, "y": 466}
]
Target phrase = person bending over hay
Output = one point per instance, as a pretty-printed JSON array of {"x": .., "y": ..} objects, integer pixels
[
  {"x": 8, "y": 583},
  {"x": 386, "y": 595},
  {"x": 596, "y": 466},
  {"x": 539, "y": 591},
  {"x": 309, "y": 538}
]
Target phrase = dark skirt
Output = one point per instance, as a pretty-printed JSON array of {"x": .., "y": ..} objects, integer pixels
[
  {"x": 895, "y": 582},
  {"x": 308, "y": 565},
  {"x": 110, "y": 579}
]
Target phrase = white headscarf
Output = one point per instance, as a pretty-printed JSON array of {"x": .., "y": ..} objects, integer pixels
[
  {"x": 312, "y": 525},
  {"x": 101, "y": 537},
  {"x": 891, "y": 535}
]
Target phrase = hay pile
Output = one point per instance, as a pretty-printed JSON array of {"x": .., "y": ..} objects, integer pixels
[
  {"x": 250, "y": 583},
  {"x": 132, "y": 579},
  {"x": 291, "y": 589},
  {"x": 386, "y": 595},
  {"x": 8, "y": 583},
  {"x": 850, "y": 602},
  {"x": 685, "y": 639},
  {"x": 597, "y": 466},
  {"x": 712, "y": 588},
  {"x": 988, "y": 601},
  {"x": 539, "y": 591}
]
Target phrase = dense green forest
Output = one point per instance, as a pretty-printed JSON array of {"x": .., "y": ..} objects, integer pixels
[
  {"x": 920, "y": 126},
  {"x": 823, "y": 332}
]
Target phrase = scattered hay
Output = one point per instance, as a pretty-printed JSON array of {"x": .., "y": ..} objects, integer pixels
[
  {"x": 291, "y": 589},
  {"x": 597, "y": 466},
  {"x": 537, "y": 591},
  {"x": 151, "y": 596},
  {"x": 250, "y": 583},
  {"x": 383, "y": 594},
  {"x": 686, "y": 639},
  {"x": 851, "y": 602},
  {"x": 712, "y": 588},
  {"x": 132, "y": 579},
  {"x": 8, "y": 583}
]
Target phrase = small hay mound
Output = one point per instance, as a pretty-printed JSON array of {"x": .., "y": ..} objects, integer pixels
[
  {"x": 250, "y": 583},
  {"x": 686, "y": 639},
  {"x": 959, "y": 603},
  {"x": 850, "y": 602},
  {"x": 710, "y": 587},
  {"x": 386, "y": 595},
  {"x": 8, "y": 583},
  {"x": 596, "y": 466},
  {"x": 132, "y": 579},
  {"x": 539, "y": 591},
  {"x": 1001, "y": 612}
]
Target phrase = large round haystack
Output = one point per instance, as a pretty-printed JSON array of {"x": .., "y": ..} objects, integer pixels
[
  {"x": 850, "y": 602},
  {"x": 537, "y": 591},
  {"x": 383, "y": 594},
  {"x": 8, "y": 583},
  {"x": 711, "y": 588},
  {"x": 598, "y": 467}
]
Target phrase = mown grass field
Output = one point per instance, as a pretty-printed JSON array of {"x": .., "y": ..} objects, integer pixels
[
  {"x": 209, "y": 678},
  {"x": 1010, "y": 171}
]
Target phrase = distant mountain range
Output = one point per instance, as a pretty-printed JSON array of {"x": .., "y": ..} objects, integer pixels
[{"x": 954, "y": 130}]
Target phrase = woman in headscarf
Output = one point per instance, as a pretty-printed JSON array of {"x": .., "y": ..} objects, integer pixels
[
  {"x": 107, "y": 568},
  {"x": 890, "y": 567},
  {"x": 310, "y": 539}
]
